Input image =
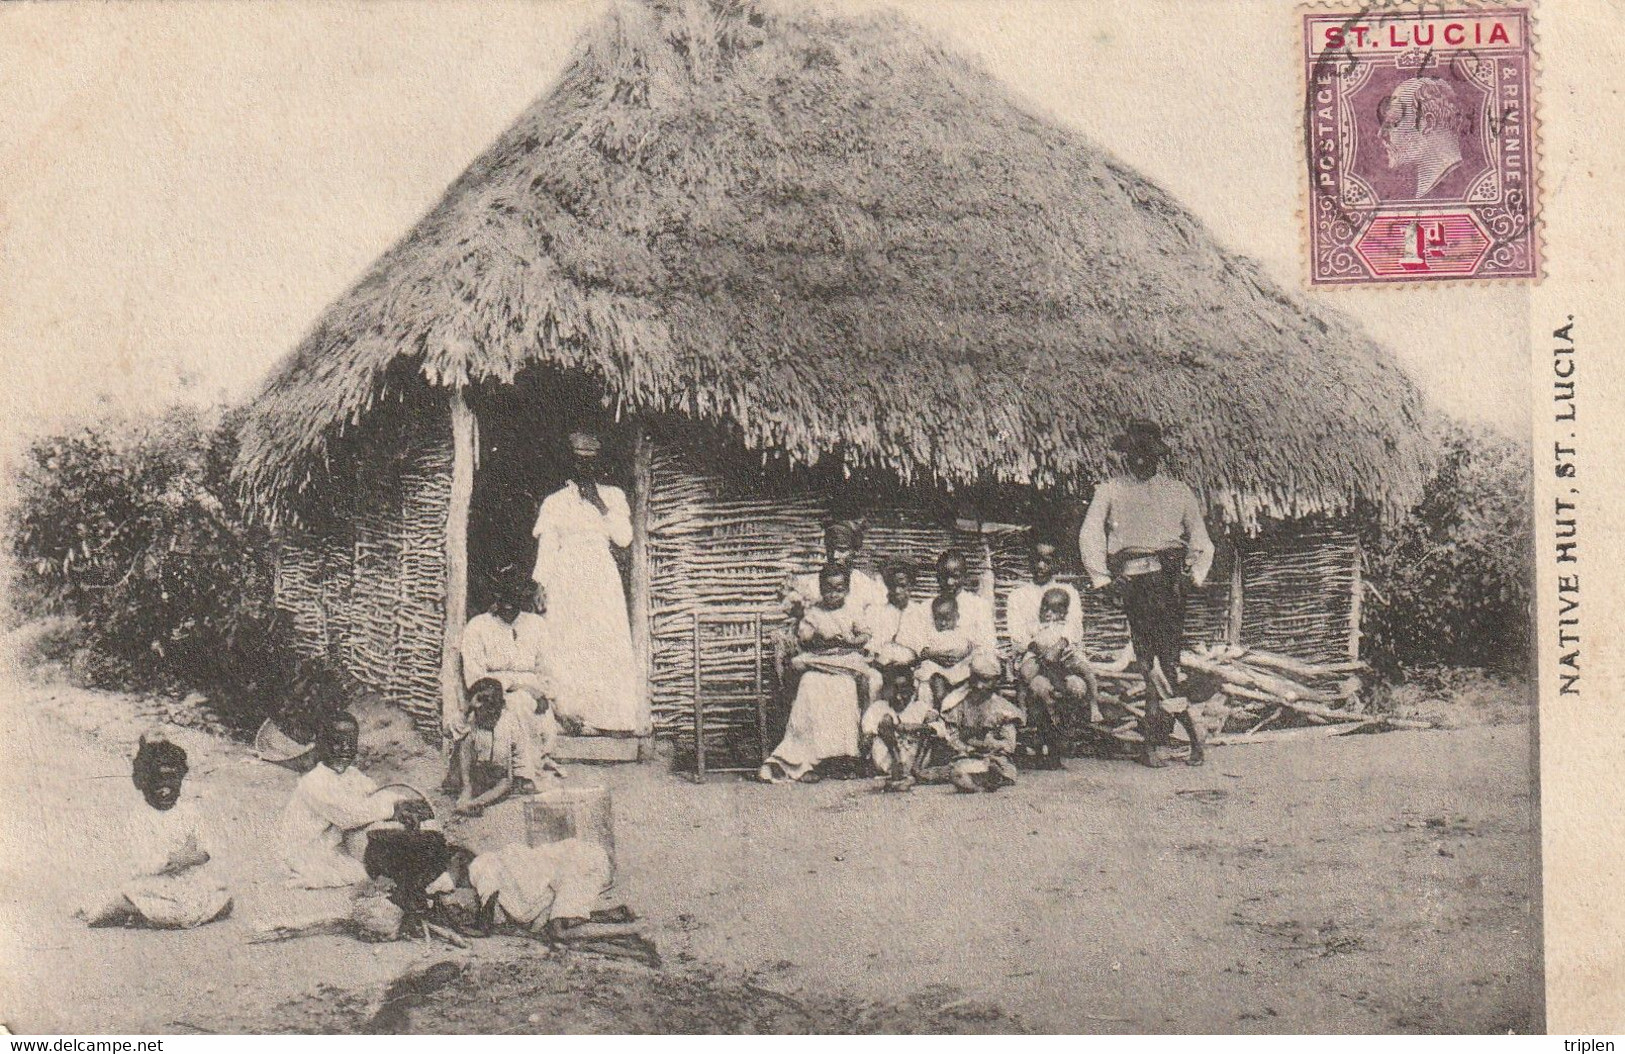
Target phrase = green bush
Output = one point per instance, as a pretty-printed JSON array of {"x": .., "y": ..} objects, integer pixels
[
  {"x": 131, "y": 526},
  {"x": 1451, "y": 585}
]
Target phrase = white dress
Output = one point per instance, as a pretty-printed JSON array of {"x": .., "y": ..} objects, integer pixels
[
  {"x": 165, "y": 896},
  {"x": 592, "y": 661},
  {"x": 565, "y": 879},
  {"x": 513, "y": 653},
  {"x": 824, "y": 717}
]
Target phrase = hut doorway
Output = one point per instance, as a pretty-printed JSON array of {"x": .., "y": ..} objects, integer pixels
[{"x": 523, "y": 457}]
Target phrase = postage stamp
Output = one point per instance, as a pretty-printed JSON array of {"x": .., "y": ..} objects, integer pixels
[{"x": 1421, "y": 148}]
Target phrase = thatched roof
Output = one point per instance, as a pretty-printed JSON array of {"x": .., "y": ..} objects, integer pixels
[{"x": 838, "y": 239}]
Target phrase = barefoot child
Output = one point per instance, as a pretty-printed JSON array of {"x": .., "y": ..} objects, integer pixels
[
  {"x": 895, "y": 725},
  {"x": 508, "y": 644},
  {"x": 951, "y": 656},
  {"x": 170, "y": 885},
  {"x": 981, "y": 731}
]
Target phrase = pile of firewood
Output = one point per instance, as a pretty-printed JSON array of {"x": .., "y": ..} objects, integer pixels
[{"x": 1250, "y": 694}]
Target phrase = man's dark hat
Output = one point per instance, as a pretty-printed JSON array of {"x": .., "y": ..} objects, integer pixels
[{"x": 1141, "y": 436}]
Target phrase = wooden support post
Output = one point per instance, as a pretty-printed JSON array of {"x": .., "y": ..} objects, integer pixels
[
  {"x": 1233, "y": 625},
  {"x": 761, "y": 697},
  {"x": 641, "y": 610},
  {"x": 463, "y": 456},
  {"x": 986, "y": 585},
  {"x": 1355, "y": 598},
  {"x": 699, "y": 706}
]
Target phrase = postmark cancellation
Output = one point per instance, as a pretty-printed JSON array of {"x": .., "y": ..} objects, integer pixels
[{"x": 1421, "y": 144}]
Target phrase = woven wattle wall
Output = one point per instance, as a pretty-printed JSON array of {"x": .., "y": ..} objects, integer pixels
[
  {"x": 1298, "y": 593},
  {"x": 370, "y": 592}
]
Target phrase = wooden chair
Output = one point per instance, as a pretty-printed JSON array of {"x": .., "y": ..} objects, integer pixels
[{"x": 725, "y": 676}]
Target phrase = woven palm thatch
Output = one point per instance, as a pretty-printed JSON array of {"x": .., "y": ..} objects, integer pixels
[{"x": 838, "y": 240}]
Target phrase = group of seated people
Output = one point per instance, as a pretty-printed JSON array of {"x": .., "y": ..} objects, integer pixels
[
  {"x": 917, "y": 688},
  {"x": 380, "y": 847}
]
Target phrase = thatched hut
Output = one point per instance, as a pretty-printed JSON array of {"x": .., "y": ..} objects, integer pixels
[{"x": 794, "y": 263}]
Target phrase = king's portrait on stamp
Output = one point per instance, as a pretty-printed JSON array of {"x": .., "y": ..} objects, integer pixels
[{"x": 1419, "y": 129}]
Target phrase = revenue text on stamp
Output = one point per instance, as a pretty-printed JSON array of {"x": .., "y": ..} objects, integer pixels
[{"x": 1420, "y": 144}]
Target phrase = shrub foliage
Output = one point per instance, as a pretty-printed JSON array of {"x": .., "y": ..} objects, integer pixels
[
  {"x": 1452, "y": 584},
  {"x": 131, "y": 526}
]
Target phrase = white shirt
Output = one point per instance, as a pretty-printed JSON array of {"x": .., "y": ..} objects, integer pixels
[
  {"x": 1021, "y": 613},
  {"x": 866, "y": 594},
  {"x": 566, "y": 521},
  {"x": 564, "y": 879},
  {"x": 1157, "y": 513},
  {"x": 491, "y": 647},
  {"x": 326, "y": 804},
  {"x": 157, "y": 836},
  {"x": 975, "y": 620}
]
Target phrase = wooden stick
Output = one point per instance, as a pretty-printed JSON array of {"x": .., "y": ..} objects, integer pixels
[
  {"x": 1279, "y": 735},
  {"x": 1287, "y": 664},
  {"x": 1310, "y": 710},
  {"x": 1271, "y": 716},
  {"x": 1356, "y": 596},
  {"x": 450, "y": 936},
  {"x": 642, "y": 482},
  {"x": 1234, "y": 619},
  {"x": 463, "y": 454}
]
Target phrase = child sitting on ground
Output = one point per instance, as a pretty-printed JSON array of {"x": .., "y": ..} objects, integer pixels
[
  {"x": 896, "y": 726},
  {"x": 170, "y": 885},
  {"x": 331, "y": 803},
  {"x": 510, "y": 750},
  {"x": 1056, "y": 677},
  {"x": 981, "y": 733}
]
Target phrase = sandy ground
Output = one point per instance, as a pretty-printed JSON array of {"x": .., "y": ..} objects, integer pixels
[{"x": 1363, "y": 884}]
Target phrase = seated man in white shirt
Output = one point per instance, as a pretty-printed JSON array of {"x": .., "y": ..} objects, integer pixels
[
  {"x": 1021, "y": 607},
  {"x": 507, "y": 644},
  {"x": 1058, "y": 684},
  {"x": 974, "y": 613}
]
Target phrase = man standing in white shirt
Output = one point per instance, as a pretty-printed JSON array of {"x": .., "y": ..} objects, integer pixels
[{"x": 1143, "y": 535}]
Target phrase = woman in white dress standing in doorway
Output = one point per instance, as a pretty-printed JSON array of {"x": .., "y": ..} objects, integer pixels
[{"x": 593, "y": 663}]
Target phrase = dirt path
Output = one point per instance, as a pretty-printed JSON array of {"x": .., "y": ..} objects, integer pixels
[{"x": 1369, "y": 884}]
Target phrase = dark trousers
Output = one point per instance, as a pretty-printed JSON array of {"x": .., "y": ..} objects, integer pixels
[{"x": 1155, "y": 606}]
